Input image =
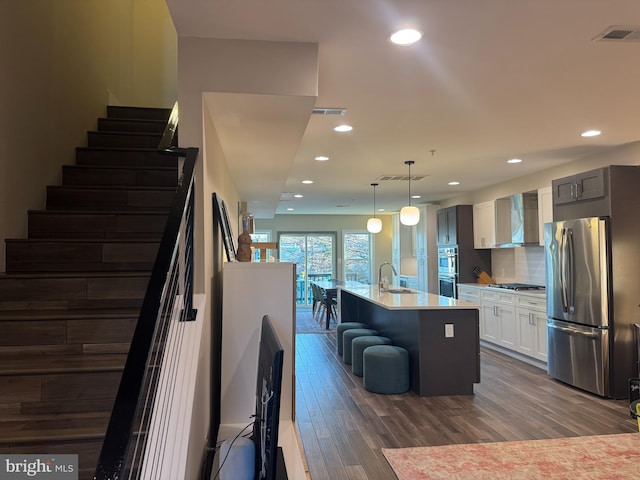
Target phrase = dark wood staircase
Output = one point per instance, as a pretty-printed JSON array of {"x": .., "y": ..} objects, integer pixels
[{"x": 72, "y": 290}]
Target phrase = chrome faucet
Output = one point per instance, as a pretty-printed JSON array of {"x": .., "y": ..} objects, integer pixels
[{"x": 380, "y": 271}]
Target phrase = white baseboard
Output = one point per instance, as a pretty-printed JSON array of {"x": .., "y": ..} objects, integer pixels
[{"x": 518, "y": 356}]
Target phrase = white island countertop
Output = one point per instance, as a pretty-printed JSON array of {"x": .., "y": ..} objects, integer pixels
[{"x": 416, "y": 300}]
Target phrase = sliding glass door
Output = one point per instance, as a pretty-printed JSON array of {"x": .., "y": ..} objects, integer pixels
[
  {"x": 315, "y": 257},
  {"x": 356, "y": 247}
]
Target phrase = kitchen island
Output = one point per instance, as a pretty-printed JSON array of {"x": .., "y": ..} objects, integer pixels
[{"x": 441, "y": 334}]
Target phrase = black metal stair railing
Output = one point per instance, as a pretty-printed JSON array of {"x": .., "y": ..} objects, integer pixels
[{"x": 170, "y": 290}]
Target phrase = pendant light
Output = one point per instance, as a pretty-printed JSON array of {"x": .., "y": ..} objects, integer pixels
[
  {"x": 409, "y": 215},
  {"x": 374, "y": 225}
]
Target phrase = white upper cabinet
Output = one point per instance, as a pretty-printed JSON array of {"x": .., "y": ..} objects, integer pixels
[
  {"x": 426, "y": 251},
  {"x": 545, "y": 210},
  {"x": 484, "y": 225},
  {"x": 395, "y": 238}
]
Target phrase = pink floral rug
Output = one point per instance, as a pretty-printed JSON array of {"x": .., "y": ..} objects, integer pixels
[{"x": 577, "y": 458}]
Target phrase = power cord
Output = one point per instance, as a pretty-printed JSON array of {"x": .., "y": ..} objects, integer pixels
[{"x": 229, "y": 451}]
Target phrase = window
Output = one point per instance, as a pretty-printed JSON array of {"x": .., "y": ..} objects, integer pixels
[
  {"x": 314, "y": 256},
  {"x": 260, "y": 236},
  {"x": 357, "y": 248}
]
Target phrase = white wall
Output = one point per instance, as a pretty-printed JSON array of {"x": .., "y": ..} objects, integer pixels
[
  {"x": 213, "y": 65},
  {"x": 628, "y": 154},
  {"x": 62, "y": 62}
]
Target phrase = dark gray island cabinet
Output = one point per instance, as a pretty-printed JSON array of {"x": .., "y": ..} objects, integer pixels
[{"x": 441, "y": 335}]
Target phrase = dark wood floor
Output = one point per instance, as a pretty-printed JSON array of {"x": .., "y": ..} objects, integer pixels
[{"x": 343, "y": 427}]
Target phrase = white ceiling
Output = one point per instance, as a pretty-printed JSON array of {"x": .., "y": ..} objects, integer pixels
[{"x": 490, "y": 80}]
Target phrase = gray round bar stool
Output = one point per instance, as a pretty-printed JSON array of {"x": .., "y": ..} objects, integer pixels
[
  {"x": 343, "y": 327},
  {"x": 358, "y": 347},
  {"x": 347, "y": 339},
  {"x": 386, "y": 369}
]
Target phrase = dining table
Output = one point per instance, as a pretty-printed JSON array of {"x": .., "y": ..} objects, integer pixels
[{"x": 330, "y": 287}]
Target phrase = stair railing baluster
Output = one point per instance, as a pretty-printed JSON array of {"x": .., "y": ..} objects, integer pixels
[{"x": 127, "y": 439}]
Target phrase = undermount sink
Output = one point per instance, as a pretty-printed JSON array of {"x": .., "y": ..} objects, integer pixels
[{"x": 398, "y": 290}]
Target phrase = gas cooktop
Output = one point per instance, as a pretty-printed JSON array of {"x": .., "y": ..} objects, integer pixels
[{"x": 516, "y": 286}]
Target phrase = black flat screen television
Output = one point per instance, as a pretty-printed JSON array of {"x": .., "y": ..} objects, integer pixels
[{"x": 268, "y": 392}]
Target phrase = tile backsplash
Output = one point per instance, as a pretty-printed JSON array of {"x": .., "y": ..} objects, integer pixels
[{"x": 520, "y": 264}]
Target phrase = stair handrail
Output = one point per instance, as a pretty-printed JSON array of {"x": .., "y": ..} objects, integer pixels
[
  {"x": 175, "y": 254},
  {"x": 170, "y": 131}
]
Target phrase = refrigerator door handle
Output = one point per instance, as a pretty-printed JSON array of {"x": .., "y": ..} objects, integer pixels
[
  {"x": 563, "y": 270},
  {"x": 570, "y": 268},
  {"x": 572, "y": 331}
]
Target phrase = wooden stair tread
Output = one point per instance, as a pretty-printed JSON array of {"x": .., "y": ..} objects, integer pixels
[
  {"x": 120, "y": 167},
  {"x": 49, "y": 364},
  {"x": 140, "y": 120},
  {"x": 108, "y": 274},
  {"x": 20, "y": 315},
  {"x": 49, "y": 428},
  {"x": 111, "y": 187},
  {"x": 81, "y": 240},
  {"x": 118, "y": 132},
  {"x": 125, "y": 111},
  {"x": 54, "y": 211},
  {"x": 122, "y": 149}
]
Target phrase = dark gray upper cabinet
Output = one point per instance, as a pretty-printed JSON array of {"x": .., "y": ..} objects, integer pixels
[
  {"x": 583, "y": 186},
  {"x": 446, "y": 226},
  {"x": 606, "y": 191},
  {"x": 454, "y": 227}
]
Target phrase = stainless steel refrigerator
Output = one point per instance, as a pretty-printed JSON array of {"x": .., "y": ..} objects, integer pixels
[{"x": 580, "y": 326}]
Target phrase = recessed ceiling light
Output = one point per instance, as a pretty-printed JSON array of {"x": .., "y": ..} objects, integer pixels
[
  {"x": 514, "y": 160},
  {"x": 416, "y": 196},
  {"x": 406, "y": 36},
  {"x": 321, "y": 158},
  {"x": 298, "y": 195},
  {"x": 307, "y": 182},
  {"x": 381, "y": 209},
  {"x": 454, "y": 183},
  {"x": 343, "y": 128},
  {"x": 591, "y": 133},
  {"x": 289, "y": 209}
]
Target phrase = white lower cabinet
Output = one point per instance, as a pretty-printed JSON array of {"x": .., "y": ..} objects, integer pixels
[
  {"x": 472, "y": 295},
  {"x": 513, "y": 320},
  {"x": 532, "y": 327},
  {"x": 491, "y": 323},
  {"x": 499, "y": 314}
]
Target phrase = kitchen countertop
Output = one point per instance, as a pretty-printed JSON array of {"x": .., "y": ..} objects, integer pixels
[
  {"x": 416, "y": 300},
  {"x": 534, "y": 293}
]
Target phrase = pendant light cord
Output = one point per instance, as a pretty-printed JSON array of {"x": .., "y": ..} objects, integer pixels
[
  {"x": 374, "y": 185},
  {"x": 409, "y": 162}
]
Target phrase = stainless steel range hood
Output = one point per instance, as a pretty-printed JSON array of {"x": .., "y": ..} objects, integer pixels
[{"x": 517, "y": 220}]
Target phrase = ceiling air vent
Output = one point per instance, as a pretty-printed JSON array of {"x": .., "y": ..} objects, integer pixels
[
  {"x": 620, "y": 33},
  {"x": 414, "y": 178},
  {"x": 286, "y": 196},
  {"x": 329, "y": 111}
]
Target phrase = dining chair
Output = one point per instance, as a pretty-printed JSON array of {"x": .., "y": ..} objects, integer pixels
[
  {"x": 329, "y": 303},
  {"x": 321, "y": 303},
  {"x": 316, "y": 297}
]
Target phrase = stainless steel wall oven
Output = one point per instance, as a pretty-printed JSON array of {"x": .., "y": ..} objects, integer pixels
[
  {"x": 448, "y": 286},
  {"x": 448, "y": 271},
  {"x": 447, "y": 261}
]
